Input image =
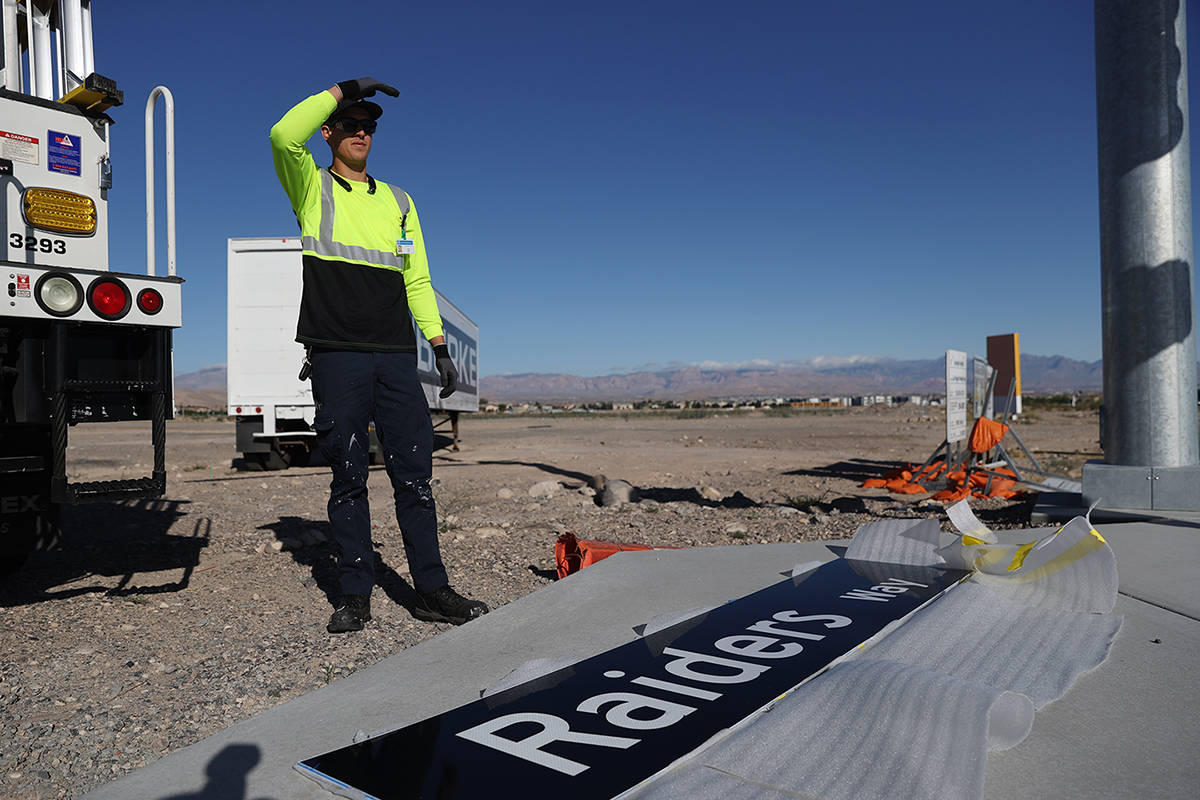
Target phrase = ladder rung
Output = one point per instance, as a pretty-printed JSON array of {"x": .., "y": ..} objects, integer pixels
[{"x": 105, "y": 491}]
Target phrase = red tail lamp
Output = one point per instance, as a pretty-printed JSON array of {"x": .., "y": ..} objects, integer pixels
[
  {"x": 108, "y": 298},
  {"x": 149, "y": 301}
]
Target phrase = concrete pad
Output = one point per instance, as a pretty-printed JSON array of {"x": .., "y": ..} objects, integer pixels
[
  {"x": 1157, "y": 562},
  {"x": 1125, "y": 730}
]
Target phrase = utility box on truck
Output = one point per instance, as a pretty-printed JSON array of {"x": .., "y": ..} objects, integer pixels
[{"x": 274, "y": 409}]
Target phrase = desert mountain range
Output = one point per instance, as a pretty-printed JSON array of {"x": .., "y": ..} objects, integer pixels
[{"x": 821, "y": 376}]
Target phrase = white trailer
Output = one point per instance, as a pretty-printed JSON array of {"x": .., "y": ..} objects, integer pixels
[
  {"x": 274, "y": 409},
  {"x": 80, "y": 341}
]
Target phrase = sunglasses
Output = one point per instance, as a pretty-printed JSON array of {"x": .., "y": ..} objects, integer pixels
[{"x": 351, "y": 125}]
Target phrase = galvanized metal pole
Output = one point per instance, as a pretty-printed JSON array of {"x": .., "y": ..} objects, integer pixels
[{"x": 1145, "y": 255}]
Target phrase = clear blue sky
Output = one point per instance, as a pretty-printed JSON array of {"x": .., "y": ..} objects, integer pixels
[{"x": 606, "y": 186}]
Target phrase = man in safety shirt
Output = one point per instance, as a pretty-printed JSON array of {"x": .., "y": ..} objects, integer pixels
[{"x": 365, "y": 271}]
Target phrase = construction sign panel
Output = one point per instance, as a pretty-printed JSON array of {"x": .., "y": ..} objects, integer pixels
[
  {"x": 956, "y": 396},
  {"x": 1004, "y": 354},
  {"x": 981, "y": 394},
  {"x": 602, "y": 726}
]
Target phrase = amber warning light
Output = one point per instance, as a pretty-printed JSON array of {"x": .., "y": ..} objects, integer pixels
[{"x": 60, "y": 211}]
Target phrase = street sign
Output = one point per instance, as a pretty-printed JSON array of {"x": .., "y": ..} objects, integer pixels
[{"x": 601, "y": 727}]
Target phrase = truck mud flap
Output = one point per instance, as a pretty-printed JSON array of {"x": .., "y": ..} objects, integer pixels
[{"x": 28, "y": 520}]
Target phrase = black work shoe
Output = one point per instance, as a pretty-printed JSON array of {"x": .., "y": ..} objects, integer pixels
[
  {"x": 351, "y": 612},
  {"x": 447, "y": 605}
]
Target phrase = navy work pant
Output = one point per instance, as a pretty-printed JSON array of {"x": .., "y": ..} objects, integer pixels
[{"x": 351, "y": 388}]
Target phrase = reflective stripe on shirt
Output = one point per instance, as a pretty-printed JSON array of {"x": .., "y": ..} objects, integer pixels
[{"x": 324, "y": 244}]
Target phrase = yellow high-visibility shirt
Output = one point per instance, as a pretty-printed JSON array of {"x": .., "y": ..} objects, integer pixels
[{"x": 358, "y": 293}]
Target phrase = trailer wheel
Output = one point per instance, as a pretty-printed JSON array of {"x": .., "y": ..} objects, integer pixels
[
  {"x": 25, "y": 533},
  {"x": 11, "y": 564},
  {"x": 276, "y": 459},
  {"x": 298, "y": 455}
]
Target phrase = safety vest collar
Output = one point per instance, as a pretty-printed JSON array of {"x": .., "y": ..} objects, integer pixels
[
  {"x": 325, "y": 246},
  {"x": 345, "y": 184}
]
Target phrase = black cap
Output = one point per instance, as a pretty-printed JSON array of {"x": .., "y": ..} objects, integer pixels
[{"x": 373, "y": 110}]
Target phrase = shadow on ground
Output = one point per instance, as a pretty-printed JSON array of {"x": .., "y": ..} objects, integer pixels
[
  {"x": 101, "y": 541},
  {"x": 297, "y": 534},
  {"x": 582, "y": 477},
  {"x": 660, "y": 494},
  {"x": 854, "y": 469},
  {"x": 226, "y": 774}
]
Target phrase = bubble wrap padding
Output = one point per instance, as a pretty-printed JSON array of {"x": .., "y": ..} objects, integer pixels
[
  {"x": 914, "y": 715},
  {"x": 1043, "y": 567},
  {"x": 903, "y": 541},
  {"x": 1072, "y": 569},
  {"x": 864, "y": 729},
  {"x": 979, "y": 633}
]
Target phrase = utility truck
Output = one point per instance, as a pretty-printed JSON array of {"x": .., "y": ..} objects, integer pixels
[
  {"x": 274, "y": 409},
  {"x": 81, "y": 341}
]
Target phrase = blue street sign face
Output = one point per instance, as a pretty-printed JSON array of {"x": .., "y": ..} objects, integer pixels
[{"x": 601, "y": 726}]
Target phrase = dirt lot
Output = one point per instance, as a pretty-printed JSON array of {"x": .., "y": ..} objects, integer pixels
[{"x": 160, "y": 622}]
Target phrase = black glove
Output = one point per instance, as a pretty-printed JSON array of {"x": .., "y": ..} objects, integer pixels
[
  {"x": 306, "y": 367},
  {"x": 445, "y": 368},
  {"x": 365, "y": 87}
]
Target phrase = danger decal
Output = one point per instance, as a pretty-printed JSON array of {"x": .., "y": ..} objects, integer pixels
[{"x": 19, "y": 147}]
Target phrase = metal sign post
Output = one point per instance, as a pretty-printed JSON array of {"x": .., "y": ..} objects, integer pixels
[{"x": 1150, "y": 455}]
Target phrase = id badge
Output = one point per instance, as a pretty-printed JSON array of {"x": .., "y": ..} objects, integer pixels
[{"x": 404, "y": 247}]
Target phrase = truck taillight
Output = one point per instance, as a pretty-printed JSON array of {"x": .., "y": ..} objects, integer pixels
[
  {"x": 149, "y": 301},
  {"x": 58, "y": 294},
  {"x": 109, "y": 298}
]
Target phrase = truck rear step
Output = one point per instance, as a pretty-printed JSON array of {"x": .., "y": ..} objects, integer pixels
[{"x": 154, "y": 485}]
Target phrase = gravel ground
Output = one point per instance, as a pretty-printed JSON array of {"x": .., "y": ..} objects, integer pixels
[{"x": 157, "y": 623}]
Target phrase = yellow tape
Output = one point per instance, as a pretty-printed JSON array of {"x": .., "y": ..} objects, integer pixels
[
  {"x": 1088, "y": 544},
  {"x": 1019, "y": 556},
  {"x": 987, "y": 555}
]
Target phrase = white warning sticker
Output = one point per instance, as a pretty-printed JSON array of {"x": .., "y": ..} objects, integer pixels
[{"x": 18, "y": 147}]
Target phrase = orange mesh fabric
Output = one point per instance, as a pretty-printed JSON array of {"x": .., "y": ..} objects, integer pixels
[
  {"x": 909, "y": 479},
  {"x": 986, "y": 434}
]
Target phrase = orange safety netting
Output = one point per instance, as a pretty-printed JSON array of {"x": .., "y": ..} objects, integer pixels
[
  {"x": 909, "y": 479},
  {"x": 906, "y": 479},
  {"x": 572, "y": 554},
  {"x": 958, "y": 486},
  {"x": 986, "y": 434}
]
